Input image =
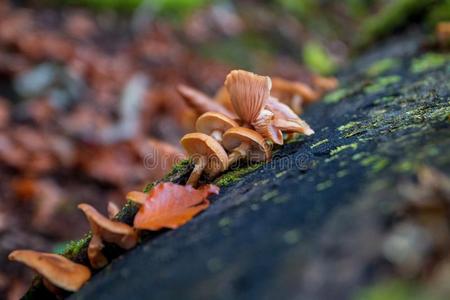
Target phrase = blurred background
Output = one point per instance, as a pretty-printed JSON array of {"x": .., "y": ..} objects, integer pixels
[{"x": 88, "y": 100}]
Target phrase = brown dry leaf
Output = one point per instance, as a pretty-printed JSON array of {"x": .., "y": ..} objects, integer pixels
[{"x": 171, "y": 205}]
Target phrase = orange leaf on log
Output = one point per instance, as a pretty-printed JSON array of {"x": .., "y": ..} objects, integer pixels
[{"x": 171, "y": 205}]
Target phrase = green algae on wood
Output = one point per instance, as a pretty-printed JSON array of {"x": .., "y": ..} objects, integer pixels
[
  {"x": 428, "y": 61},
  {"x": 234, "y": 175},
  {"x": 395, "y": 14},
  {"x": 317, "y": 58},
  {"x": 382, "y": 83},
  {"x": 335, "y": 96},
  {"x": 348, "y": 126},
  {"x": 389, "y": 290},
  {"x": 324, "y": 141},
  {"x": 324, "y": 185},
  {"x": 338, "y": 149},
  {"x": 381, "y": 66}
]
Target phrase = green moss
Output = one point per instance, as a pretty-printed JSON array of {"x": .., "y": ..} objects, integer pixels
[
  {"x": 405, "y": 166},
  {"x": 428, "y": 61},
  {"x": 336, "y": 150},
  {"x": 177, "y": 169},
  {"x": 319, "y": 143},
  {"x": 291, "y": 237},
  {"x": 317, "y": 59},
  {"x": 389, "y": 290},
  {"x": 170, "y": 8},
  {"x": 440, "y": 12},
  {"x": 234, "y": 175},
  {"x": 336, "y": 96},
  {"x": 394, "y": 15},
  {"x": 269, "y": 195},
  {"x": 384, "y": 100},
  {"x": 73, "y": 248},
  {"x": 377, "y": 163},
  {"x": 348, "y": 126},
  {"x": 381, "y": 66},
  {"x": 382, "y": 83},
  {"x": 224, "y": 222},
  {"x": 342, "y": 173},
  {"x": 324, "y": 185},
  {"x": 280, "y": 174}
]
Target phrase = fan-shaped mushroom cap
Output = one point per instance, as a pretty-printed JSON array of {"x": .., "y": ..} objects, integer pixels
[
  {"x": 200, "y": 102},
  {"x": 199, "y": 146},
  {"x": 56, "y": 269},
  {"x": 248, "y": 93},
  {"x": 110, "y": 231},
  {"x": 236, "y": 136},
  {"x": 212, "y": 122}
]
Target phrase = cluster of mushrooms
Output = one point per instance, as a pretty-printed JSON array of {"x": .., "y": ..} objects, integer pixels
[
  {"x": 60, "y": 273},
  {"x": 245, "y": 130},
  {"x": 243, "y": 125}
]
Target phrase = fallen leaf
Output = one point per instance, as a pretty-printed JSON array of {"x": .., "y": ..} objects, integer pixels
[{"x": 171, "y": 205}]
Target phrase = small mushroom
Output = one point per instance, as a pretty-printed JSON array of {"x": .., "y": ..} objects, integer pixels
[
  {"x": 248, "y": 93},
  {"x": 250, "y": 96},
  {"x": 324, "y": 84},
  {"x": 443, "y": 33},
  {"x": 200, "y": 102},
  {"x": 244, "y": 142},
  {"x": 290, "y": 89},
  {"x": 137, "y": 197},
  {"x": 277, "y": 118},
  {"x": 207, "y": 154},
  {"x": 214, "y": 124},
  {"x": 264, "y": 126},
  {"x": 285, "y": 119},
  {"x": 58, "y": 271},
  {"x": 104, "y": 229}
]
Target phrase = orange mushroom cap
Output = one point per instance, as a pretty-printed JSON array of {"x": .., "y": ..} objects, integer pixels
[
  {"x": 199, "y": 145},
  {"x": 236, "y": 136},
  {"x": 212, "y": 122},
  {"x": 110, "y": 231},
  {"x": 56, "y": 269}
]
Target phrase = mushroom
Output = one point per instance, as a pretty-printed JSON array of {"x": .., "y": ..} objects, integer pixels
[
  {"x": 137, "y": 197},
  {"x": 294, "y": 92},
  {"x": 104, "y": 229},
  {"x": 200, "y": 102},
  {"x": 58, "y": 272},
  {"x": 277, "y": 118},
  {"x": 324, "y": 84},
  {"x": 285, "y": 119},
  {"x": 214, "y": 124},
  {"x": 207, "y": 154},
  {"x": 248, "y": 94},
  {"x": 244, "y": 142}
]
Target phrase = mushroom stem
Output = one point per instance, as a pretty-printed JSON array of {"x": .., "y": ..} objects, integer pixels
[
  {"x": 217, "y": 135},
  {"x": 200, "y": 165},
  {"x": 238, "y": 153}
]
